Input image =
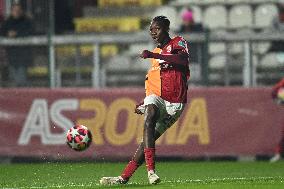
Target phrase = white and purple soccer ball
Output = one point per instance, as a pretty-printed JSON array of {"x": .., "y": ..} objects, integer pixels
[{"x": 79, "y": 138}]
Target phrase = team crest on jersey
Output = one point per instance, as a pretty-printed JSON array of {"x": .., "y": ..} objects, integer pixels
[
  {"x": 169, "y": 48},
  {"x": 182, "y": 43}
]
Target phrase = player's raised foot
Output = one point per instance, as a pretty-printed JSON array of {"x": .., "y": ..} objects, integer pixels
[
  {"x": 112, "y": 180},
  {"x": 153, "y": 177},
  {"x": 275, "y": 158}
]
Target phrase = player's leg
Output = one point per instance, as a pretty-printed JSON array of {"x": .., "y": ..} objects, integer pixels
[
  {"x": 279, "y": 152},
  {"x": 281, "y": 145},
  {"x": 151, "y": 113},
  {"x": 151, "y": 118},
  {"x": 158, "y": 120},
  {"x": 149, "y": 136},
  {"x": 139, "y": 154},
  {"x": 136, "y": 161}
]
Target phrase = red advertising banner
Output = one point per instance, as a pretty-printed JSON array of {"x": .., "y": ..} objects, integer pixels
[{"x": 216, "y": 121}]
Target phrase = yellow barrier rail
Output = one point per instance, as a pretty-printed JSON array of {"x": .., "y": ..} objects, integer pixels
[
  {"x": 121, "y": 3},
  {"x": 121, "y": 24}
]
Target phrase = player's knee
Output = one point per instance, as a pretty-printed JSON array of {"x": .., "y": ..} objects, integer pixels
[
  {"x": 141, "y": 145},
  {"x": 151, "y": 114}
]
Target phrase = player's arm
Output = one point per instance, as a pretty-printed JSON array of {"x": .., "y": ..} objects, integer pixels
[
  {"x": 179, "y": 57},
  {"x": 276, "y": 88}
]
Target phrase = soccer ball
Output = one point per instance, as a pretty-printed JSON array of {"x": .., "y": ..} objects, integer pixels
[
  {"x": 79, "y": 138},
  {"x": 280, "y": 95}
]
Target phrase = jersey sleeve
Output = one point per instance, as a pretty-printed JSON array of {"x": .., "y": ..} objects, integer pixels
[{"x": 180, "y": 44}]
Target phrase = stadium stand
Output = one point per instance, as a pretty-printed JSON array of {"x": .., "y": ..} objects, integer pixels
[
  {"x": 109, "y": 24},
  {"x": 264, "y": 14},
  {"x": 216, "y": 48},
  {"x": 122, "y": 3},
  {"x": 216, "y": 69},
  {"x": 171, "y": 14},
  {"x": 261, "y": 48},
  {"x": 213, "y": 12},
  {"x": 196, "y": 13},
  {"x": 92, "y": 11},
  {"x": 241, "y": 16},
  {"x": 112, "y": 16},
  {"x": 136, "y": 48},
  {"x": 270, "y": 68}
]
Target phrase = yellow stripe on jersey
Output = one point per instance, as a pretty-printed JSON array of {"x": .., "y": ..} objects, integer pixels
[{"x": 153, "y": 83}]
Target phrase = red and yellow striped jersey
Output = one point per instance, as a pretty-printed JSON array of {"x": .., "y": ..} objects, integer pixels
[{"x": 168, "y": 80}]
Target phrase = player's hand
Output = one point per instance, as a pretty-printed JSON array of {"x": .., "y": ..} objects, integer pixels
[
  {"x": 146, "y": 54},
  {"x": 12, "y": 33},
  {"x": 136, "y": 110}
]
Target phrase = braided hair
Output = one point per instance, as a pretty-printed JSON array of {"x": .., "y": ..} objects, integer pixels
[{"x": 163, "y": 21}]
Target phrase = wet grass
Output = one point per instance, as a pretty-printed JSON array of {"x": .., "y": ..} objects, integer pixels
[{"x": 200, "y": 175}]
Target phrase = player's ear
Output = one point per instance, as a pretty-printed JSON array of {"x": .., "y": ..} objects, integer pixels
[{"x": 168, "y": 29}]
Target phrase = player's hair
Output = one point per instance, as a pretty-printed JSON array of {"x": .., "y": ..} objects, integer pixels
[{"x": 163, "y": 20}]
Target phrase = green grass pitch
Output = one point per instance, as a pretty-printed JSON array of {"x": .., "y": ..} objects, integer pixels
[{"x": 199, "y": 175}]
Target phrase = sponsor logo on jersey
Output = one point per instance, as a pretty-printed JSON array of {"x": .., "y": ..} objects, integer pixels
[
  {"x": 182, "y": 43},
  {"x": 169, "y": 48}
]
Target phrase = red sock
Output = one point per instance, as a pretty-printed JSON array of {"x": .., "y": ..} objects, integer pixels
[
  {"x": 129, "y": 170},
  {"x": 150, "y": 158},
  {"x": 278, "y": 149}
]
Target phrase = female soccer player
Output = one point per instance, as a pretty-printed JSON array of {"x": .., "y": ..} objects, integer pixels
[
  {"x": 279, "y": 153},
  {"x": 166, "y": 96}
]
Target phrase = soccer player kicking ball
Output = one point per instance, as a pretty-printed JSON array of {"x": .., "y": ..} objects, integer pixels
[
  {"x": 279, "y": 153},
  {"x": 166, "y": 95}
]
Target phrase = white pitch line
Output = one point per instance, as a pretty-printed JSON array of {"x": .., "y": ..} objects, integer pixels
[
  {"x": 171, "y": 182},
  {"x": 223, "y": 179}
]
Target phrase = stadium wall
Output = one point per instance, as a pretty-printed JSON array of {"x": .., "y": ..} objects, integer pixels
[{"x": 216, "y": 122}]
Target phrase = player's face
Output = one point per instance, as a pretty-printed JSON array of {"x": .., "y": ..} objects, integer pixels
[
  {"x": 158, "y": 32},
  {"x": 16, "y": 11}
]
